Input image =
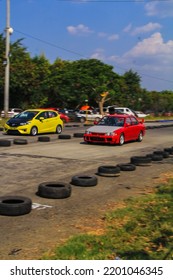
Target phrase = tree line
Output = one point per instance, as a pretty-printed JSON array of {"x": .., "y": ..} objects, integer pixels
[{"x": 35, "y": 83}]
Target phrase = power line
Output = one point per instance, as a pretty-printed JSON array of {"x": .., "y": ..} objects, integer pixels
[
  {"x": 85, "y": 57},
  {"x": 112, "y": 1},
  {"x": 51, "y": 44}
]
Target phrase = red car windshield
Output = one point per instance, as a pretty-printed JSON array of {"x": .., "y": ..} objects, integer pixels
[{"x": 112, "y": 121}]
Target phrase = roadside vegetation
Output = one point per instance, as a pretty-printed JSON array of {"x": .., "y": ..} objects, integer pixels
[
  {"x": 138, "y": 229},
  {"x": 37, "y": 83}
]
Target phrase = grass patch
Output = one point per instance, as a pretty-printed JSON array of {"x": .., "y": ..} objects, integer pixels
[{"x": 141, "y": 229}]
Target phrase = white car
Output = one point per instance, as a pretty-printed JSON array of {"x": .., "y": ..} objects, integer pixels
[
  {"x": 121, "y": 110},
  {"x": 141, "y": 114},
  {"x": 11, "y": 113},
  {"x": 88, "y": 115},
  {"x": 125, "y": 110}
]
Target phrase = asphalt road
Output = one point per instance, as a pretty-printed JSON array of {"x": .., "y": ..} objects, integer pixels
[
  {"x": 75, "y": 148},
  {"x": 24, "y": 167}
]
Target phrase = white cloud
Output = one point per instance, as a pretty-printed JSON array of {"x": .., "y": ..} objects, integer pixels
[
  {"x": 102, "y": 34},
  {"x": 80, "y": 29},
  {"x": 154, "y": 45},
  {"x": 128, "y": 28},
  {"x": 151, "y": 57},
  {"x": 113, "y": 37},
  {"x": 107, "y": 36},
  {"x": 98, "y": 54},
  {"x": 146, "y": 28},
  {"x": 159, "y": 8},
  {"x": 151, "y": 8}
]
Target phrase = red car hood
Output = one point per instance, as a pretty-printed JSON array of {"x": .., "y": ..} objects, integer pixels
[{"x": 102, "y": 129}]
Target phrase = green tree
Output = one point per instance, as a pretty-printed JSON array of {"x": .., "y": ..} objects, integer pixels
[
  {"x": 2, "y": 69},
  {"x": 74, "y": 82},
  {"x": 34, "y": 82},
  {"x": 131, "y": 89},
  {"x": 21, "y": 75},
  {"x": 41, "y": 80}
]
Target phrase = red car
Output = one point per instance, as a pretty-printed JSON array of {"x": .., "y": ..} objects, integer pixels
[
  {"x": 63, "y": 117},
  {"x": 116, "y": 129}
]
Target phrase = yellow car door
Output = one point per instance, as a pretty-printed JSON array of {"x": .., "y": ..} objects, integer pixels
[
  {"x": 42, "y": 122},
  {"x": 51, "y": 121}
]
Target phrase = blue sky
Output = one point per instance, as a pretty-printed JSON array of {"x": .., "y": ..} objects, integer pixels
[{"x": 127, "y": 34}]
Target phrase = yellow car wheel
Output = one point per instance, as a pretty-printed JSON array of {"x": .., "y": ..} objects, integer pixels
[
  {"x": 34, "y": 131},
  {"x": 58, "y": 129}
]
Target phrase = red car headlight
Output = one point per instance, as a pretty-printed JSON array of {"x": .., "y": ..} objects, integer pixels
[
  {"x": 87, "y": 132},
  {"x": 110, "y": 133}
]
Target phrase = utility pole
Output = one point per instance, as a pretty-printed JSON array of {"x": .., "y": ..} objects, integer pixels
[{"x": 7, "y": 60}]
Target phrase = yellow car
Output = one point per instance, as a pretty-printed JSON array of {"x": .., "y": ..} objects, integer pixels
[{"x": 34, "y": 121}]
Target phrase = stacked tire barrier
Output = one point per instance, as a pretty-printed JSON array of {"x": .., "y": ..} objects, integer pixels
[{"x": 19, "y": 205}]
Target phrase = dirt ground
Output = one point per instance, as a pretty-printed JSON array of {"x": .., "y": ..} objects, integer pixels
[{"x": 52, "y": 221}]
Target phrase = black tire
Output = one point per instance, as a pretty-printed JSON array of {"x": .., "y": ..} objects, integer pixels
[
  {"x": 44, "y": 139},
  {"x": 158, "y": 152},
  {"x": 140, "y": 137},
  {"x": 140, "y": 160},
  {"x": 169, "y": 150},
  {"x": 79, "y": 135},
  {"x": 149, "y": 155},
  {"x": 54, "y": 190},
  {"x": 121, "y": 140},
  {"x": 34, "y": 131},
  {"x": 5, "y": 143},
  {"x": 109, "y": 170},
  {"x": 58, "y": 129},
  {"x": 20, "y": 141},
  {"x": 162, "y": 153},
  {"x": 127, "y": 167},
  {"x": 1, "y": 129},
  {"x": 155, "y": 157},
  {"x": 64, "y": 136},
  {"x": 76, "y": 125},
  {"x": 15, "y": 205},
  {"x": 84, "y": 180}
]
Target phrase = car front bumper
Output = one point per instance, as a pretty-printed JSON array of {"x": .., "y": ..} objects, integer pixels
[
  {"x": 24, "y": 129},
  {"x": 100, "y": 139}
]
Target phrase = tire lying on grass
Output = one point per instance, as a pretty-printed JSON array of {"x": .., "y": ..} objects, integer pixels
[
  {"x": 54, "y": 190},
  {"x": 84, "y": 180},
  {"x": 20, "y": 141},
  {"x": 15, "y": 205},
  {"x": 109, "y": 171},
  {"x": 140, "y": 160},
  {"x": 127, "y": 167}
]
